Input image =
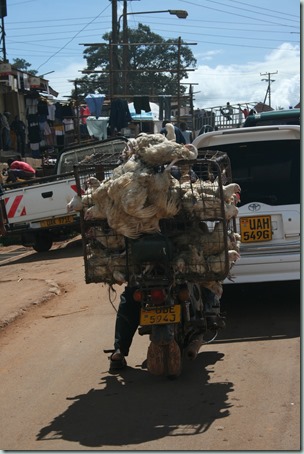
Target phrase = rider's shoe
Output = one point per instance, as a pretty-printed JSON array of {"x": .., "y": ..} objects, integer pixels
[{"x": 117, "y": 361}]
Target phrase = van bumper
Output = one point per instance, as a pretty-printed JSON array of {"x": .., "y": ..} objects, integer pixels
[{"x": 266, "y": 268}]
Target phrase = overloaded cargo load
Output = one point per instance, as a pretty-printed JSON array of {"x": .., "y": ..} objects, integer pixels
[{"x": 161, "y": 213}]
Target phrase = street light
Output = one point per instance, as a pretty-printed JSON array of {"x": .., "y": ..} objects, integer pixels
[
  {"x": 180, "y": 13},
  {"x": 42, "y": 75}
]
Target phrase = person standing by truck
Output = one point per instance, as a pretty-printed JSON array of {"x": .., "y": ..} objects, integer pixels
[
  {"x": 19, "y": 170},
  {"x": 18, "y": 127},
  {"x": 6, "y": 131},
  {"x": 186, "y": 132}
]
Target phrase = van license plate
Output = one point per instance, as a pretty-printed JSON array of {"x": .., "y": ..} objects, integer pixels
[
  {"x": 255, "y": 228},
  {"x": 57, "y": 221},
  {"x": 160, "y": 315}
]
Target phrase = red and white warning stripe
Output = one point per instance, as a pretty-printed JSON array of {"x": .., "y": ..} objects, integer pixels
[{"x": 14, "y": 206}]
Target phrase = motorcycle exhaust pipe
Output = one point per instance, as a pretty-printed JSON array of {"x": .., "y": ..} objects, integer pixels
[{"x": 193, "y": 348}]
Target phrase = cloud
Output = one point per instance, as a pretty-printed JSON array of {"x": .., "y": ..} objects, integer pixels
[
  {"x": 222, "y": 83},
  {"x": 59, "y": 80},
  {"x": 243, "y": 83}
]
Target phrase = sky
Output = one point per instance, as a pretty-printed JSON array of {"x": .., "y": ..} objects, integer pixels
[{"x": 239, "y": 44}]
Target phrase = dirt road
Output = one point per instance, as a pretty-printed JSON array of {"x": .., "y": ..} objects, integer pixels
[{"x": 241, "y": 393}]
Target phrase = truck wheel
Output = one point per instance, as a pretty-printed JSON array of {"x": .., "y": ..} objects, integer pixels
[{"x": 43, "y": 242}]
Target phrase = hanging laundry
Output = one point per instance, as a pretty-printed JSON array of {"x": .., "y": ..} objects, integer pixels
[
  {"x": 141, "y": 103},
  {"x": 164, "y": 105},
  {"x": 67, "y": 111},
  {"x": 34, "y": 132},
  {"x": 58, "y": 111},
  {"x": 51, "y": 112},
  {"x": 31, "y": 105},
  {"x": 119, "y": 115},
  {"x": 84, "y": 114},
  {"x": 42, "y": 107},
  {"x": 97, "y": 127},
  {"x": 95, "y": 103}
]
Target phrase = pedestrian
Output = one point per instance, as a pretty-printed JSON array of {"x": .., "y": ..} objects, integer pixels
[
  {"x": 6, "y": 131},
  {"x": 19, "y": 170},
  {"x": 18, "y": 127},
  {"x": 227, "y": 111},
  {"x": 186, "y": 132},
  {"x": 178, "y": 133}
]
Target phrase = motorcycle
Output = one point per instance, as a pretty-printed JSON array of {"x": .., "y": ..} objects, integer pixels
[
  {"x": 177, "y": 272},
  {"x": 178, "y": 315}
]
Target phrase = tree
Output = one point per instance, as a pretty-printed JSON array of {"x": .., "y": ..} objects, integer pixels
[
  {"x": 23, "y": 65},
  {"x": 161, "y": 55}
]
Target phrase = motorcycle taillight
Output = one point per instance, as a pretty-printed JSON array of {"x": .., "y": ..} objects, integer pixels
[
  {"x": 158, "y": 296},
  {"x": 138, "y": 296},
  {"x": 183, "y": 294}
]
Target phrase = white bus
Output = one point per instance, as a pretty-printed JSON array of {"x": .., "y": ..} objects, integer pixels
[{"x": 265, "y": 162}]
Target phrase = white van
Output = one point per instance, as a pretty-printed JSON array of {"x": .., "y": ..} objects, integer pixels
[{"x": 265, "y": 162}]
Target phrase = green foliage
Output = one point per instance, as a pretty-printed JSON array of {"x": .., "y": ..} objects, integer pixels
[
  {"x": 149, "y": 61},
  {"x": 23, "y": 65}
]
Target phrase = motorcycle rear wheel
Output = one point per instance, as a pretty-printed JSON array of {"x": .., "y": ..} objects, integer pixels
[{"x": 165, "y": 359}]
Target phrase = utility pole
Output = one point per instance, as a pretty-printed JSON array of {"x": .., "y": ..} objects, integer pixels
[
  {"x": 3, "y": 13},
  {"x": 114, "y": 49},
  {"x": 125, "y": 50},
  {"x": 268, "y": 91},
  {"x": 191, "y": 110}
]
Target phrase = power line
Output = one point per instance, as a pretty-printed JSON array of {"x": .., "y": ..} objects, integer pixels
[
  {"x": 63, "y": 47},
  {"x": 261, "y": 8}
]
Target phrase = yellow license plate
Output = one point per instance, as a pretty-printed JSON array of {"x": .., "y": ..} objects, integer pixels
[
  {"x": 255, "y": 228},
  {"x": 57, "y": 221},
  {"x": 160, "y": 315}
]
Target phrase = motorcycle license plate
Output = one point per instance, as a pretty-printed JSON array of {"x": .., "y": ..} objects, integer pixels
[
  {"x": 255, "y": 229},
  {"x": 57, "y": 221},
  {"x": 160, "y": 315}
]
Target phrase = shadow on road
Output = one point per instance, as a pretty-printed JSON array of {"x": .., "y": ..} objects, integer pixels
[
  {"x": 261, "y": 311},
  {"x": 71, "y": 249},
  {"x": 135, "y": 407}
]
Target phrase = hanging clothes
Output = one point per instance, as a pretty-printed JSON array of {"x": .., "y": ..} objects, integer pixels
[
  {"x": 42, "y": 107},
  {"x": 51, "y": 112},
  {"x": 84, "y": 114},
  {"x": 119, "y": 115},
  {"x": 31, "y": 105},
  {"x": 97, "y": 127},
  {"x": 95, "y": 103},
  {"x": 141, "y": 103},
  {"x": 58, "y": 111},
  {"x": 164, "y": 105},
  {"x": 67, "y": 111},
  {"x": 34, "y": 132}
]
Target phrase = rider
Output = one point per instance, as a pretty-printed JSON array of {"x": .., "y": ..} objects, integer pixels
[{"x": 127, "y": 321}]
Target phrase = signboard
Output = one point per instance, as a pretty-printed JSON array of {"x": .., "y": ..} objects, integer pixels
[
  {"x": 5, "y": 69},
  {"x": 35, "y": 82}
]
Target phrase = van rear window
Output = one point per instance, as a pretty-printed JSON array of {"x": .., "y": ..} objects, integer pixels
[{"x": 268, "y": 172}]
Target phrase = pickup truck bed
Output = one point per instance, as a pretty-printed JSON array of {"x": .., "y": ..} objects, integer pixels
[{"x": 36, "y": 210}]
